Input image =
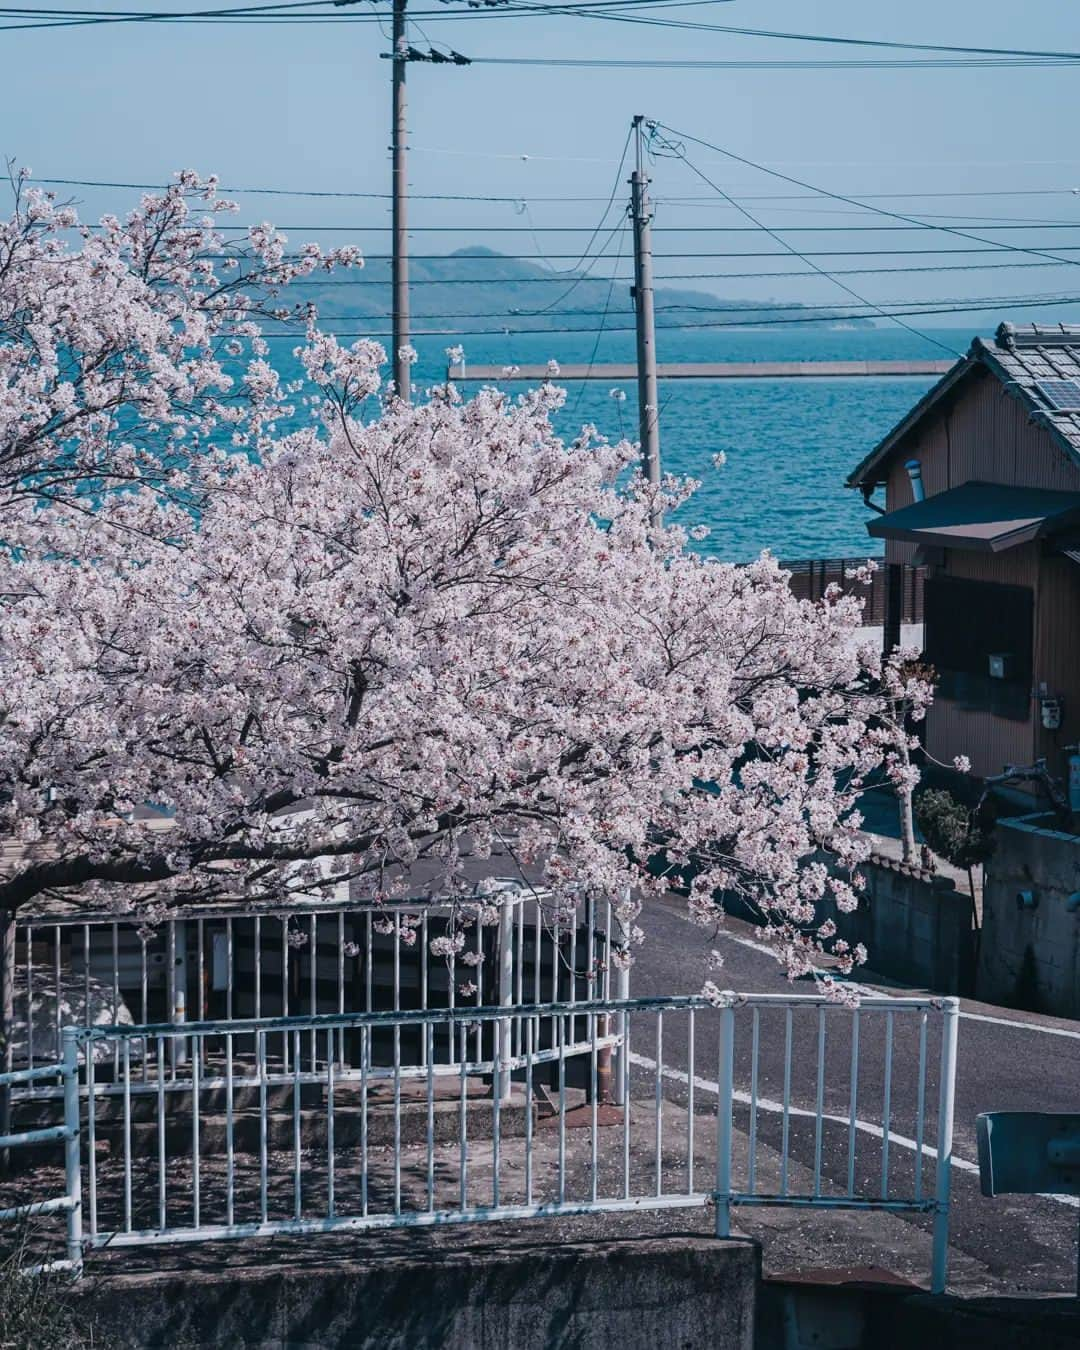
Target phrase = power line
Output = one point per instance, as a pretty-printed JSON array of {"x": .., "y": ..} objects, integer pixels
[
  {"x": 697, "y": 276},
  {"x": 311, "y": 282},
  {"x": 603, "y": 219},
  {"x": 875, "y": 210},
  {"x": 506, "y": 331},
  {"x": 532, "y": 197},
  {"x": 741, "y": 253},
  {"x": 681, "y": 153},
  {"x": 610, "y": 10},
  {"x": 833, "y": 40},
  {"x": 688, "y": 63},
  {"x": 287, "y": 13},
  {"x": 605, "y": 314},
  {"x": 772, "y": 307},
  {"x": 489, "y": 258},
  {"x": 671, "y": 254},
  {"x": 592, "y": 230}
]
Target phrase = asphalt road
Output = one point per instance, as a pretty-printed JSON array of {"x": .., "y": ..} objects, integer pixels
[{"x": 1007, "y": 1060}]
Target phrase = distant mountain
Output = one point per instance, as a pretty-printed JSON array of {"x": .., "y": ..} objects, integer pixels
[{"x": 480, "y": 289}]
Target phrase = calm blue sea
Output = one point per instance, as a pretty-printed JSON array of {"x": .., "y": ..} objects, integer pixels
[{"x": 789, "y": 444}]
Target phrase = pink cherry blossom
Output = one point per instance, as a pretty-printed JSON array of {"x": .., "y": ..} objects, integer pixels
[{"x": 399, "y": 629}]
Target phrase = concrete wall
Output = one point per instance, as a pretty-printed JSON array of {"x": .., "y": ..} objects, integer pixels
[
  {"x": 861, "y": 1310},
  {"x": 1030, "y": 958},
  {"x": 915, "y": 925},
  {"x": 684, "y": 1291}
]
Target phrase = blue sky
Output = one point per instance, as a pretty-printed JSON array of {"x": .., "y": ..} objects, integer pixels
[{"x": 308, "y": 106}]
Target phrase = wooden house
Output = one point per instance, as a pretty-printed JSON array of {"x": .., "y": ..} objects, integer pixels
[{"x": 982, "y": 487}]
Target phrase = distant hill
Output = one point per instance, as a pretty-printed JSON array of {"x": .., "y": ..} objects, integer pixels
[{"x": 480, "y": 285}]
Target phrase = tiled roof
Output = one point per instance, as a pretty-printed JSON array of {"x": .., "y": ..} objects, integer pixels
[{"x": 1021, "y": 356}]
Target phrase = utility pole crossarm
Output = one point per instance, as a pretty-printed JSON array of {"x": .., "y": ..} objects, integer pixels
[{"x": 648, "y": 398}]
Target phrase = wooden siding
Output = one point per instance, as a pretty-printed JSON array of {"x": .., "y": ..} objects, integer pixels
[
  {"x": 984, "y": 434},
  {"x": 1014, "y": 567},
  {"x": 1057, "y": 654},
  {"x": 992, "y": 742},
  {"x": 900, "y": 551}
]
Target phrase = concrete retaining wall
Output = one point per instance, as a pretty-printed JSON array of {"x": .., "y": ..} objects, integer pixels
[
  {"x": 684, "y": 1291},
  {"x": 1030, "y": 957},
  {"x": 915, "y": 925}
]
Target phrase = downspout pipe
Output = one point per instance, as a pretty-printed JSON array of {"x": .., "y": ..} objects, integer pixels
[{"x": 867, "y": 492}]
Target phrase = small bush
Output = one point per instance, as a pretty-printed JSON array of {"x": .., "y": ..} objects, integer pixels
[{"x": 952, "y": 830}]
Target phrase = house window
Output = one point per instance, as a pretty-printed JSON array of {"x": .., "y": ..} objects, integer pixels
[{"x": 968, "y": 622}]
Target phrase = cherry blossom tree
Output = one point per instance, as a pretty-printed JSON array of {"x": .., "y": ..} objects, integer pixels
[
  {"x": 389, "y": 636},
  {"x": 336, "y": 652}
]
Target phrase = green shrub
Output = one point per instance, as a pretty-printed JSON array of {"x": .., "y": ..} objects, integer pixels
[{"x": 952, "y": 830}]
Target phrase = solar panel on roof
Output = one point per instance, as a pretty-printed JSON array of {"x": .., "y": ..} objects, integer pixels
[{"x": 1063, "y": 394}]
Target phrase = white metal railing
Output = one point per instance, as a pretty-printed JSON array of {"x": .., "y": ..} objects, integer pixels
[
  {"x": 68, "y": 1132},
  {"x": 307, "y": 959},
  {"x": 813, "y": 1105}
]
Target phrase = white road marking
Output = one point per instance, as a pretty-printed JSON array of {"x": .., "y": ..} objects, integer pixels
[
  {"x": 878, "y": 992},
  {"x": 1022, "y": 1026},
  {"x": 866, "y": 1126}
]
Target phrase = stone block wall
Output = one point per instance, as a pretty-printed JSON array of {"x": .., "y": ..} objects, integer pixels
[
  {"x": 1029, "y": 955},
  {"x": 915, "y": 925}
]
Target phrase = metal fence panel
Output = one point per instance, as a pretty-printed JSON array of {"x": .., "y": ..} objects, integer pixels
[
  {"x": 95, "y": 971},
  {"x": 813, "y": 1105}
]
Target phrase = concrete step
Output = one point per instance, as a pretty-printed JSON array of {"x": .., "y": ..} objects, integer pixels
[{"x": 280, "y": 1125}]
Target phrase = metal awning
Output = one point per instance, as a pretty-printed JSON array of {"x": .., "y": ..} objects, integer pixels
[{"x": 989, "y": 517}]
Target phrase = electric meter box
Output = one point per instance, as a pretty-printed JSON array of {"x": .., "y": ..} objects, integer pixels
[{"x": 1000, "y": 665}]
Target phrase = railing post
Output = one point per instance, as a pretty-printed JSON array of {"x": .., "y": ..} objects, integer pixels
[
  {"x": 177, "y": 985},
  {"x": 72, "y": 1148},
  {"x": 725, "y": 1106},
  {"x": 950, "y": 1008},
  {"x": 7, "y": 1024},
  {"x": 507, "y": 903},
  {"x": 894, "y": 606},
  {"x": 622, "y": 992}
]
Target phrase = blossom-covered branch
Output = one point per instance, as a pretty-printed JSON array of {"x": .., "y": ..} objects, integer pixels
[
  {"x": 400, "y": 633},
  {"x": 127, "y": 348}
]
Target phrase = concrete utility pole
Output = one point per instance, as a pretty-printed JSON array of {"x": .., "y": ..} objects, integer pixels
[
  {"x": 648, "y": 399},
  {"x": 400, "y": 246}
]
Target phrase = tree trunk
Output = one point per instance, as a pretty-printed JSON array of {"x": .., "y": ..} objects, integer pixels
[
  {"x": 907, "y": 817},
  {"x": 7, "y": 1023},
  {"x": 907, "y": 827}
]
